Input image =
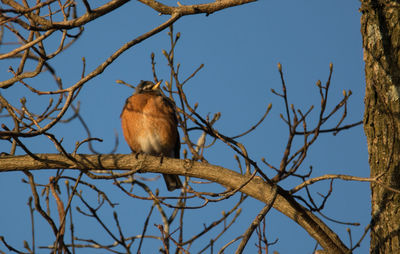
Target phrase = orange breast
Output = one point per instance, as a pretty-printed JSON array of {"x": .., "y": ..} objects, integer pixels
[{"x": 149, "y": 125}]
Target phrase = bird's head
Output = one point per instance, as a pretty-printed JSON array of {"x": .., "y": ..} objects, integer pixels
[{"x": 148, "y": 86}]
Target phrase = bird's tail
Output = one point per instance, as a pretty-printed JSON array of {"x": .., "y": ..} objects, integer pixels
[{"x": 172, "y": 181}]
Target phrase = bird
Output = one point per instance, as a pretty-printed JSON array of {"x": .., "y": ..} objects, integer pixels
[{"x": 150, "y": 126}]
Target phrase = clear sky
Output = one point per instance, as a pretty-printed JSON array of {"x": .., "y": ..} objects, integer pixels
[{"x": 240, "y": 48}]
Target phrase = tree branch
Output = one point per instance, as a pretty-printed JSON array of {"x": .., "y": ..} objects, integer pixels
[{"x": 257, "y": 188}]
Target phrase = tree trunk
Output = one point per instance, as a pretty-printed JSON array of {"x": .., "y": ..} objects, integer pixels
[{"x": 380, "y": 29}]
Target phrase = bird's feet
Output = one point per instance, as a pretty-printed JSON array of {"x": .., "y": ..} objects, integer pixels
[{"x": 137, "y": 155}]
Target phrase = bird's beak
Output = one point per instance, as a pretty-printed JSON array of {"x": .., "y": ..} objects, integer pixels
[{"x": 156, "y": 86}]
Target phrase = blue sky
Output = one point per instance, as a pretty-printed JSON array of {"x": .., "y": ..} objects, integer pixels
[{"x": 240, "y": 48}]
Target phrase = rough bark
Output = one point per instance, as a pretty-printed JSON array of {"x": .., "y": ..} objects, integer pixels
[{"x": 380, "y": 28}]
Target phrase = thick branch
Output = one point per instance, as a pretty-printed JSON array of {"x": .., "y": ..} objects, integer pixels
[
  {"x": 194, "y": 9},
  {"x": 256, "y": 188},
  {"x": 43, "y": 24}
]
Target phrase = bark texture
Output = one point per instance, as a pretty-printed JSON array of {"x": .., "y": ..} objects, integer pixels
[{"x": 380, "y": 28}]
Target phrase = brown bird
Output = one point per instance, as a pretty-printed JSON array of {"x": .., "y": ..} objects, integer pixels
[{"x": 149, "y": 125}]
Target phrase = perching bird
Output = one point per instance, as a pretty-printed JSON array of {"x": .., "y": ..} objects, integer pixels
[{"x": 149, "y": 125}]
